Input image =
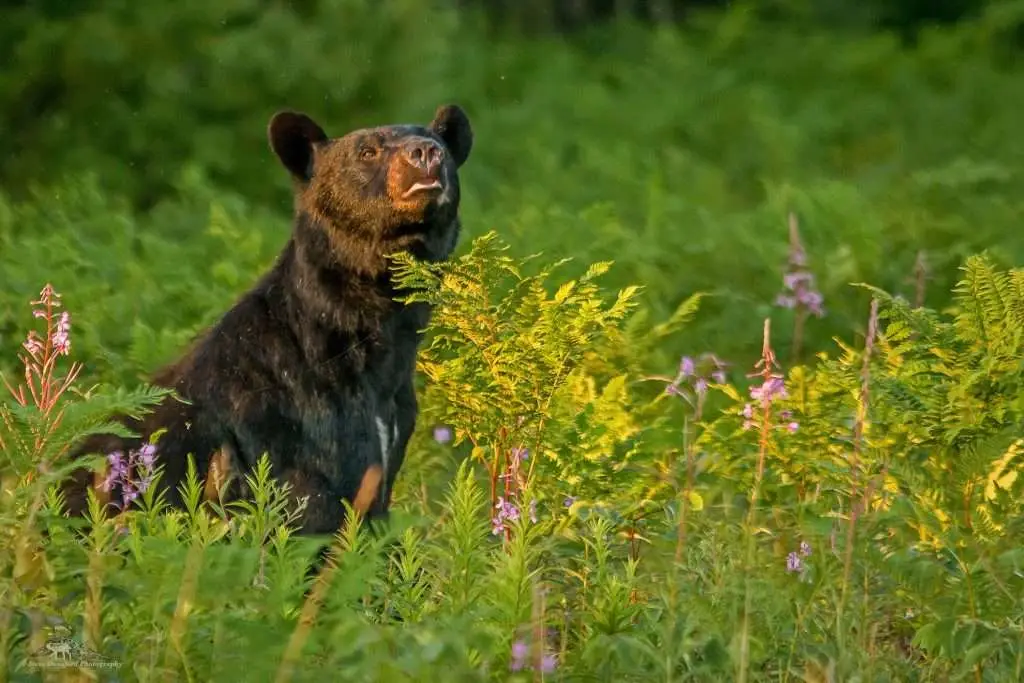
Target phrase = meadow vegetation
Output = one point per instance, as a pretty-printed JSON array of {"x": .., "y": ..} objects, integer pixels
[{"x": 726, "y": 382}]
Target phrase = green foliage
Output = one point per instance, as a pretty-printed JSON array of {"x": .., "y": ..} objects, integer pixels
[
  {"x": 134, "y": 310},
  {"x": 675, "y": 153},
  {"x": 507, "y": 366},
  {"x": 922, "y": 440},
  {"x": 625, "y": 526}
]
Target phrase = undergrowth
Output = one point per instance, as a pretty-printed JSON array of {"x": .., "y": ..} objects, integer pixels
[{"x": 854, "y": 518}]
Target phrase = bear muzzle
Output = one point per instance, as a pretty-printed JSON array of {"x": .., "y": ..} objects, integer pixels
[{"x": 421, "y": 167}]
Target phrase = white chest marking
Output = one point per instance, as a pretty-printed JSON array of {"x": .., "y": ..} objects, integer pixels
[{"x": 385, "y": 444}]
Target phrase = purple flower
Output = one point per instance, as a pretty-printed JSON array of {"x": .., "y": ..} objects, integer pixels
[
  {"x": 794, "y": 563},
  {"x": 801, "y": 292},
  {"x": 813, "y": 301},
  {"x": 61, "y": 338},
  {"x": 748, "y": 416},
  {"x": 511, "y": 512},
  {"x": 520, "y": 652},
  {"x": 569, "y": 501},
  {"x": 772, "y": 388},
  {"x": 809, "y": 299},
  {"x": 785, "y": 301},
  {"x": 521, "y": 659},
  {"x": 33, "y": 344},
  {"x": 147, "y": 456},
  {"x": 519, "y": 453},
  {"x": 129, "y": 495},
  {"x": 698, "y": 372},
  {"x": 442, "y": 434},
  {"x": 791, "y": 424},
  {"x": 118, "y": 470},
  {"x": 796, "y": 279},
  {"x": 805, "y": 548},
  {"x": 798, "y": 282},
  {"x": 132, "y": 473},
  {"x": 506, "y": 511}
]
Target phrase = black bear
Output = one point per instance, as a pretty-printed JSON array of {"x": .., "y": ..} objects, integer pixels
[{"x": 314, "y": 365}]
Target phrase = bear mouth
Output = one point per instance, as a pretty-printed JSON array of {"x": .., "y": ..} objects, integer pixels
[{"x": 431, "y": 185}]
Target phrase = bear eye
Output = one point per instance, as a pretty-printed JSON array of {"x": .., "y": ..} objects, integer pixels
[{"x": 367, "y": 153}]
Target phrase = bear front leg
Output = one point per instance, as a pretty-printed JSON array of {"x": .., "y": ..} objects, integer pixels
[{"x": 406, "y": 411}]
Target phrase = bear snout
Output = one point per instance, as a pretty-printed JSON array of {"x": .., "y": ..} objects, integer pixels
[
  {"x": 423, "y": 154},
  {"x": 417, "y": 169}
]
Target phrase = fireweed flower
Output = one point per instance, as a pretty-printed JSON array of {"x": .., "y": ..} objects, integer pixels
[
  {"x": 799, "y": 289},
  {"x": 442, "y": 434},
  {"x": 794, "y": 561},
  {"x": 131, "y": 473},
  {"x": 60, "y": 335},
  {"x": 520, "y": 653},
  {"x": 521, "y": 659},
  {"x": 118, "y": 470},
  {"x": 33, "y": 344},
  {"x": 697, "y": 374},
  {"x": 147, "y": 455},
  {"x": 61, "y": 338},
  {"x": 507, "y": 512},
  {"x": 748, "y": 416},
  {"x": 772, "y": 389}
]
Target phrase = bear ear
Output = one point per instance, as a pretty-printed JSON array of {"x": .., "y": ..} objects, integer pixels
[
  {"x": 452, "y": 125},
  {"x": 292, "y": 136}
]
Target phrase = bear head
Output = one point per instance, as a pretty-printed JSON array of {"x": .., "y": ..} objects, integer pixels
[{"x": 376, "y": 191}]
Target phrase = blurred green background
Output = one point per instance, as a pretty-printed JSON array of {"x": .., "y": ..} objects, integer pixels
[{"x": 672, "y": 137}]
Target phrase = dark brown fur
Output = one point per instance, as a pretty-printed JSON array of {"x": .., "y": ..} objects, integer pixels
[{"x": 314, "y": 365}]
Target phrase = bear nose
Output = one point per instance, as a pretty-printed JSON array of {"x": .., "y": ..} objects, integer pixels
[{"x": 423, "y": 154}]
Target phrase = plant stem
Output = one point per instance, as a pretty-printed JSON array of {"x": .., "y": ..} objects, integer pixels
[
  {"x": 855, "y": 460},
  {"x": 767, "y": 364}
]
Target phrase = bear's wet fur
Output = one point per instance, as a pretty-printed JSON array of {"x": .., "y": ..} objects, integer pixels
[{"x": 314, "y": 365}]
